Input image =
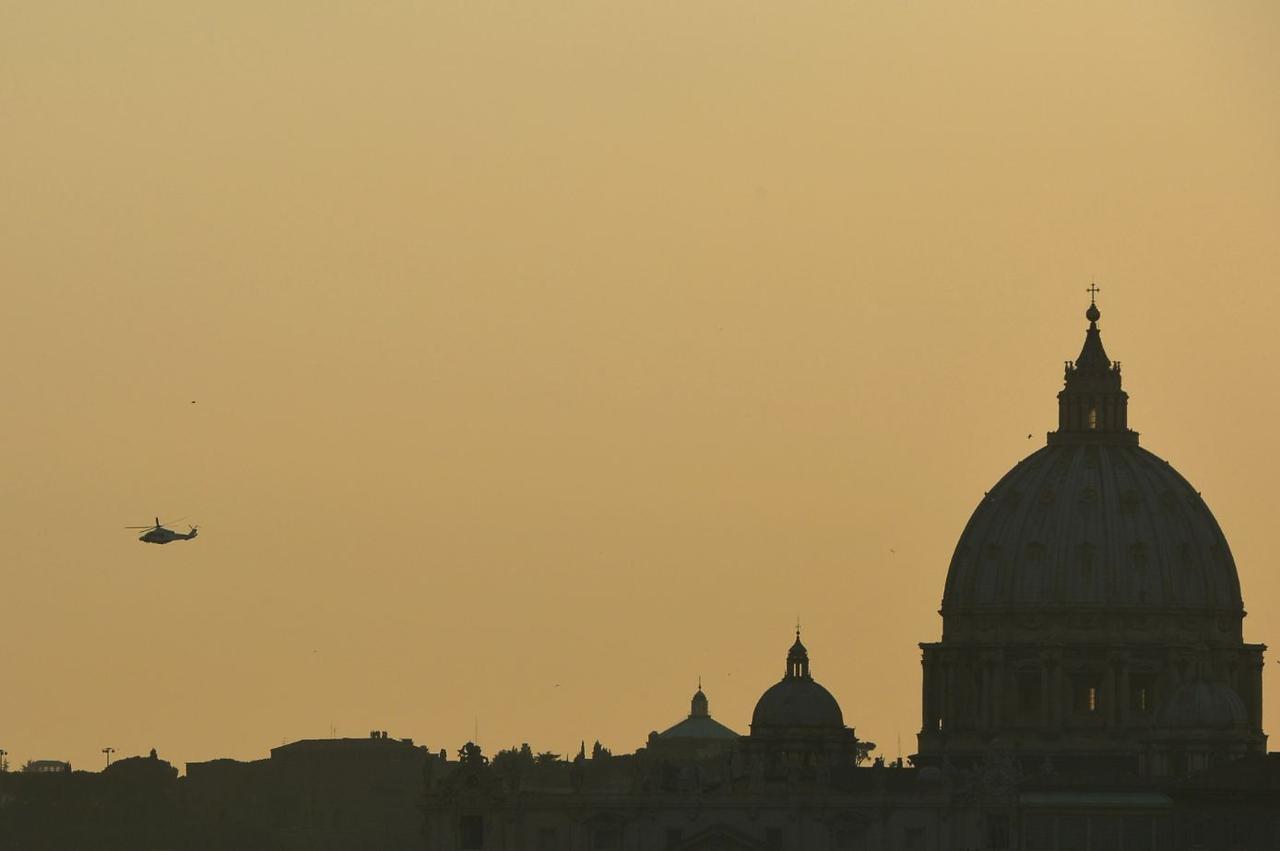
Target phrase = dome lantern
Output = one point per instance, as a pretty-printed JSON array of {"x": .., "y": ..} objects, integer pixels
[
  {"x": 698, "y": 707},
  {"x": 798, "y": 660},
  {"x": 1091, "y": 406}
]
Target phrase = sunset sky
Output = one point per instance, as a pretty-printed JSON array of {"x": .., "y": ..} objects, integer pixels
[{"x": 548, "y": 355}]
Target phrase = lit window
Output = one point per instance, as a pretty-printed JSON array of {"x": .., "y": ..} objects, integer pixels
[{"x": 1093, "y": 419}]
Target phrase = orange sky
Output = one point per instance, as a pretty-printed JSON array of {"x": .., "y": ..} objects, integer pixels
[{"x": 586, "y": 343}]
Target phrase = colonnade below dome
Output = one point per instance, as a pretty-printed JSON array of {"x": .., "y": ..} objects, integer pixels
[{"x": 1057, "y": 705}]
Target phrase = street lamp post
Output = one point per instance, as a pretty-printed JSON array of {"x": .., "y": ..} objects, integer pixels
[{"x": 108, "y": 752}]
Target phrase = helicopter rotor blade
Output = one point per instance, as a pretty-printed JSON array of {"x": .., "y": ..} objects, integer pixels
[{"x": 158, "y": 524}]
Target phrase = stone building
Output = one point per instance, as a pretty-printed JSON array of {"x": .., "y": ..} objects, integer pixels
[
  {"x": 311, "y": 794},
  {"x": 1092, "y": 616},
  {"x": 793, "y": 783},
  {"x": 1092, "y": 691}
]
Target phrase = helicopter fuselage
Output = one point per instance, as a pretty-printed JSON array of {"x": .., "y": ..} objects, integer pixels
[{"x": 164, "y": 536}]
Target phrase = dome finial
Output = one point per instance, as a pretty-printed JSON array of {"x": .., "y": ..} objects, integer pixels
[{"x": 1093, "y": 314}]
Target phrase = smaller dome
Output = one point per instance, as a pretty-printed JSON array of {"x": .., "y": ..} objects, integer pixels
[
  {"x": 797, "y": 702},
  {"x": 699, "y": 724},
  {"x": 1203, "y": 705}
]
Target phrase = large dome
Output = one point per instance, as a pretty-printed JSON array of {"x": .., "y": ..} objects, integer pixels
[
  {"x": 1088, "y": 526},
  {"x": 1088, "y": 585}
]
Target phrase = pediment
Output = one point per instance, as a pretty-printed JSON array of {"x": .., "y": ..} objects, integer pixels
[{"x": 720, "y": 837}]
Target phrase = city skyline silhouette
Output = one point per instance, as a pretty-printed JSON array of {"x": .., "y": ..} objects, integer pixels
[{"x": 544, "y": 363}]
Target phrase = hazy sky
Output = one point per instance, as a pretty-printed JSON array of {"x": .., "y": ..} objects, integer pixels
[{"x": 586, "y": 343}]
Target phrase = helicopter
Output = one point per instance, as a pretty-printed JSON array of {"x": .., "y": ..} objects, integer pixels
[{"x": 157, "y": 534}]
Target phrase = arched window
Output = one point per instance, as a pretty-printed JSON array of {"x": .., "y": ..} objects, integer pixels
[{"x": 1093, "y": 418}]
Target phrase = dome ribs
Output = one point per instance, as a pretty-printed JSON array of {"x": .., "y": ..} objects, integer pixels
[{"x": 1095, "y": 526}]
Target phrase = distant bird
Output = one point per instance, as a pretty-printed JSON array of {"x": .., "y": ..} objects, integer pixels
[
  {"x": 193, "y": 401},
  {"x": 557, "y": 685},
  {"x": 892, "y": 550},
  {"x": 1028, "y": 437}
]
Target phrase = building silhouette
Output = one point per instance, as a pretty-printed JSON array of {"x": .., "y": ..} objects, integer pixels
[
  {"x": 1092, "y": 616},
  {"x": 313, "y": 794},
  {"x": 1091, "y": 691},
  {"x": 47, "y": 766}
]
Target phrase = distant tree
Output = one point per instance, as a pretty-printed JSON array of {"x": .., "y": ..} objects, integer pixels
[
  {"x": 471, "y": 756},
  {"x": 513, "y": 759},
  {"x": 598, "y": 751},
  {"x": 546, "y": 758},
  {"x": 863, "y": 751}
]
